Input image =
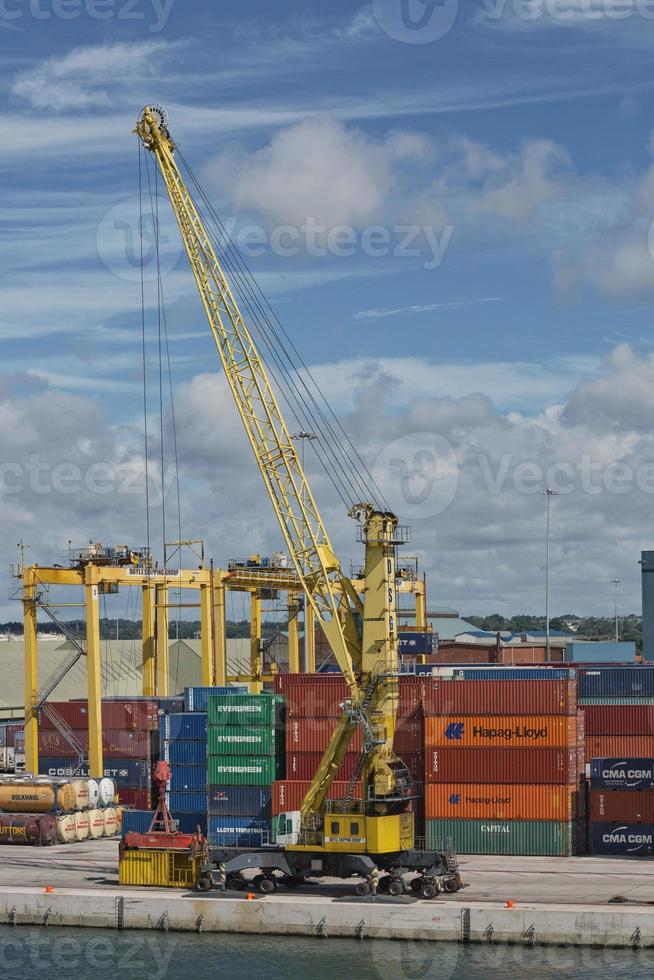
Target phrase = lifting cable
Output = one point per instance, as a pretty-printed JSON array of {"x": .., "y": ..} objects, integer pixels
[{"x": 144, "y": 359}]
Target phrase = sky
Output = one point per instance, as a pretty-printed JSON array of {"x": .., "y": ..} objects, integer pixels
[{"x": 449, "y": 207}]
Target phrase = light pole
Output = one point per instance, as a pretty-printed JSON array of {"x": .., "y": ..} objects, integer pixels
[
  {"x": 304, "y": 437},
  {"x": 548, "y": 494},
  {"x": 616, "y": 582}
]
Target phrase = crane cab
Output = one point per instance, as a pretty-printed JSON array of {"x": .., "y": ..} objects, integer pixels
[{"x": 353, "y": 833}]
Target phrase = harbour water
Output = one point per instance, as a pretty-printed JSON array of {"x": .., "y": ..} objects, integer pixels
[{"x": 28, "y": 953}]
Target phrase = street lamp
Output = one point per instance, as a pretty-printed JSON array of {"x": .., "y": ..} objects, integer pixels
[
  {"x": 304, "y": 437},
  {"x": 616, "y": 582},
  {"x": 548, "y": 494}
]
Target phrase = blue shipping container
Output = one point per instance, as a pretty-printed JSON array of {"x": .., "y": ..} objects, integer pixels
[
  {"x": 421, "y": 644},
  {"x": 185, "y": 753},
  {"x": 622, "y": 774},
  {"x": 188, "y": 823},
  {"x": 190, "y": 727},
  {"x": 625, "y": 839},
  {"x": 189, "y": 778},
  {"x": 170, "y": 706},
  {"x": 136, "y": 821},
  {"x": 187, "y": 801},
  {"x": 617, "y": 682},
  {"x": 197, "y": 698},
  {"x": 240, "y": 801},
  {"x": 132, "y": 773},
  {"x": 238, "y": 831}
]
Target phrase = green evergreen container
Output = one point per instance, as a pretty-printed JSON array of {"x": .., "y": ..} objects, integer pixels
[
  {"x": 543, "y": 838},
  {"x": 238, "y": 770},
  {"x": 607, "y": 700},
  {"x": 244, "y": 740},
  {"x": 247, "y": 709}
]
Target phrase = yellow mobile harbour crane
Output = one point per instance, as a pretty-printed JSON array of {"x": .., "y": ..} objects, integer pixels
[{"x": 352, "y": 837}]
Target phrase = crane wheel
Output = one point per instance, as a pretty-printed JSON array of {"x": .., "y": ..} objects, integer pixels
[
  {"x": 362, "y": 888},
  {"x": 264, "y": 885},
  {"x": 235, "y": 884},
  {"x": 429, "y": 890},
  {"x": 396, "y": 888},
  {"x": 384, "y": 885},
  {"x": 204, "y": 884},
  {"x": 416, "y": 885},
  {"x": 450, "y": 885}
]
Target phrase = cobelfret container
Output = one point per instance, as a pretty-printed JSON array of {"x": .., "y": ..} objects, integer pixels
[
  {"x": 115, "y": 744},
  {"x": 238, "y": 831},
  {"x": 187, "y": 801},
  {"x": 506, "y": 731},
  {"x": 546, "y": 838},
  {"x": 616, "y": 681},
  {"x": 135, "y": 773},
  {"x": 622, "y": 774},
  {"x": 189, "y": 778},
  {"x": 233, "y": 770},
  {"x": 621, "y": 806},
  {"x": 246, "y": 709},
  {"x": 625, "y": 839},
  {"x": 128, "y": 715},
  {"x": 313, "y": 735},
  {"x": 287, "y": 794},
  {"x": 197, "y": 698},
  {"x": 304, "y": 765},
  {"x": 185, "y": 753},
  {"x": 619, "y": 720},
  {"x": 538, "y": 766},
  {"x": 240, "y": 801},
  {"x": 244, "y": 740},
  {"x": 614, "y": 746},
  {"x": 467, "y": 801},
  {"x": 539, "y": 697},
  {"x": 188, "y": 727}
]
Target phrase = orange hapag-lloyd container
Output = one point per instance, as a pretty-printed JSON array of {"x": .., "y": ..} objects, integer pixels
[
  {"x": 472, "y": 801},
  {"x": 502, "y": 731}
]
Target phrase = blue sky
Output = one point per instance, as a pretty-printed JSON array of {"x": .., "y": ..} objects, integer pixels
[{"x": 513, "y": 150}]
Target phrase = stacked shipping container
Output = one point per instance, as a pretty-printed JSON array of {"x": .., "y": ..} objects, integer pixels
[
  {"x": 621, "y": 806},
  {"x": 184, "y": 748}
]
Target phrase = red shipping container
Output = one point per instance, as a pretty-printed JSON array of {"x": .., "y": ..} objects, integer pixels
[
  {"x": 537, "y": 766},
  {"x": 619, "y": 719},
  {"x": 321, "y": 695},
  {"x": 539, "y": 697},
  {"x": 115, "y": 744},
  {"x": 140, "y": 799},
  {"x": 134, "y": 716},
  {"x": 287, "y": 794},
  {"x": 460, "y": 653},
  {"x": 616, "y": 746},
  {"x": 10, "y": 734},
  {"x": 313, "y": 735},
  {"x": 304, "y": 765},
  {"x": 409, "y": 737},
  {"x": 618, "y": 806}
]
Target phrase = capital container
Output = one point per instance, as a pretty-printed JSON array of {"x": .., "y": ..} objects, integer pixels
[
  {"x": 621, "y": 806},
  {"x": 238, "y": 831},
  {"x": 543, "y": 838},
  {"x": 244, "y": 740},
  {"x": 66, "y": 828},
  {"x": 534, "y": 766},
  {"x": 615, "y": 746},
  {"x": 94, "y": 793},
  {"x": 189, "y": 778},
  {"x": 502, "y": 731},
  {"x": 82, "y": 828},
  {"x": 470, "y": 801},
  {"x": 313, "y": 734},
  {"x": 602, "y": 681},
  {"x": 619, "y": 720},
  {"x": 622, "y": 774},
  {"x": 158, "y": 869},
  {"x": 238, "y": 770},
  {"x": 96, "y": 824},
  {"x": 185, "y": 753},
  {"x": 246, "y": 709},
  {"x": 288, "y": 794},
  {"x": 27, "y": 828},
  {"x": 187, "y": 801},
  {"x": 136, "y": 821},
  {"x": 110, "y": 821},
  {"x": 197, "y": 698},
  {"x": 185, "y": 726},
  {"x": 634, "y": 840},
  {"x": 537, "y": 697},
  {"x": 81, "y": 788},
  {"x": 36, "y": 797},
  {"x": 239, "y": 801}
]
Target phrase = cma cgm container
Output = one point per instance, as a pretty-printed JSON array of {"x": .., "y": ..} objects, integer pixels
[
  {"x": 500, "y": 802},
  {"x": 553, "y": 838},
  {"x": 621, "y": 806},
  {"x": 619, "y": 720},
  {"x": 537, "y": 697},
  {"x": 538, "y": 766},
  {"x": 502, "y": 731},
  {"x": 623, "y": 774},
  {"x": 615, "y": 746},
  {"x": 616, "y": 682},
  {"x": 635, "y": 840},
  {"x": 287, "y": 794}
]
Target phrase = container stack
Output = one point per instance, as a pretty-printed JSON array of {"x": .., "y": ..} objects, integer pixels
[
  {"x": 245, "y": 756},
  {"x": 503, "y": 762},
  {"x": 618, "y": 706},
  {"x": 9, "y": 732},
  {"x": 621, "y": 807},
  {"x": 184, "y": 748}
]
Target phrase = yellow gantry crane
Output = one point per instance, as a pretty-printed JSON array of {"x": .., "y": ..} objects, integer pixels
[{"x": 361, "y": 632}]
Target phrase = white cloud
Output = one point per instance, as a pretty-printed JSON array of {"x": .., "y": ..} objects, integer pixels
[{"x": 383, "y": 314}]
